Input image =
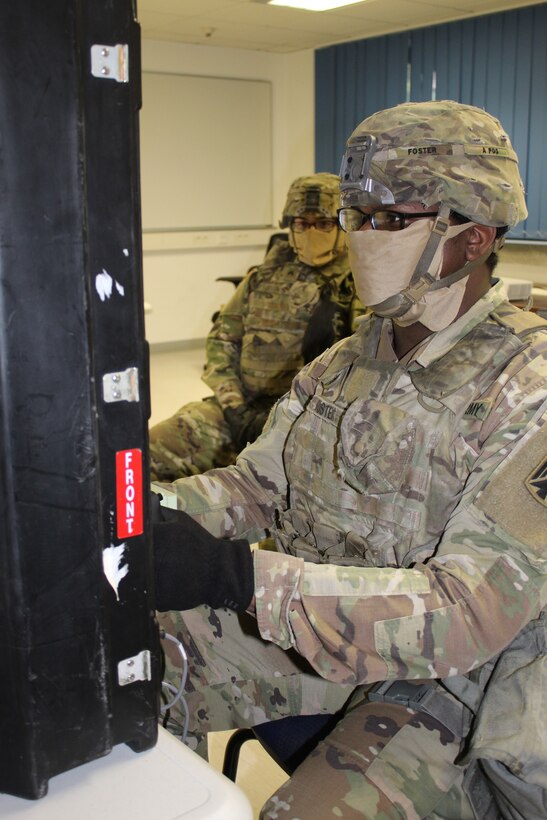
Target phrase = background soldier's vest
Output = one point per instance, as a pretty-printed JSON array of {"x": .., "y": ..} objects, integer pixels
[
  {"x": 283, "y": 294},
  {"x": 377, "y": 461}
]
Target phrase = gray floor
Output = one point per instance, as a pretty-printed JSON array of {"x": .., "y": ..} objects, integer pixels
[{"x": 175, "y": 378}]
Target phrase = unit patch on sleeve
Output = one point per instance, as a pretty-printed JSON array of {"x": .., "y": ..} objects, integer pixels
[
  {"x": 536, "y": 483},
  {"x": 516, "y": 495}
]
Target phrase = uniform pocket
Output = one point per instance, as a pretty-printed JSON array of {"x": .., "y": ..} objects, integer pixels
[
  {"x": 377, "y": 444},
  {"x": 509, "y": 727}
]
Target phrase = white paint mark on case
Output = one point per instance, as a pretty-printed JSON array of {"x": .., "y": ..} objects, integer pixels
[
  {"x": 113, "y": 567},
  {"x": 103, "y": 285}
]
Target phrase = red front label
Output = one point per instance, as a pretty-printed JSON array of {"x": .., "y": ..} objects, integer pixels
[{"x": 129, "y": 493}]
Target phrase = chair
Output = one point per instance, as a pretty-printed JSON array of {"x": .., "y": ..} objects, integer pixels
[
  {"x": 275, "y": 238},
  {"x": 235, "y": 280},
  {"x": 288, "y": 740}
]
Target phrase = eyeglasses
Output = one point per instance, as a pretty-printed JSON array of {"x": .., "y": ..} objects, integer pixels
[
  {"x": 300, "y": 225},
  {"x": 352, "y": 219}
]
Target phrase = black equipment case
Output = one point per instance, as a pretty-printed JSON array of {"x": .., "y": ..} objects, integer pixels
[{"x": 79, "y": 662}]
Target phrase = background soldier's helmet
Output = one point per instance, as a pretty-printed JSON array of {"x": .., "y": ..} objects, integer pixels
[
  {"x": 317, "y": 192},
  {"x": 435, "y": 152}
]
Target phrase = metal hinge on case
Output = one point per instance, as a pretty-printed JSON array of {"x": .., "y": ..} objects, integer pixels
[
  {"x": 122, "y": 386},
  {"x": 135, "y": 668},
  {"x": 110, "y": 62}
]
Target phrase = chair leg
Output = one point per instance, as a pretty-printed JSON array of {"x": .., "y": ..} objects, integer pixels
[{"x": 233, "y": 748}]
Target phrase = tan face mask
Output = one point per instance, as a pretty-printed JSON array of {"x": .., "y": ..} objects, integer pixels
[
  {"x": 383, "y": 263},
  {"x": 316, "y": 248}
]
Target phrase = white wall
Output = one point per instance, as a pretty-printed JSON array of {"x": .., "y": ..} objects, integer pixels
[
  {"x": 520, "y": 260},
  {"x": 180, "y": 268}
]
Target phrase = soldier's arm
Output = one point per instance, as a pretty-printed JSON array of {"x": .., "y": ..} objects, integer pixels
[
  {"x": 223, "y": 350},
  {"x": 455, "y": 611}
]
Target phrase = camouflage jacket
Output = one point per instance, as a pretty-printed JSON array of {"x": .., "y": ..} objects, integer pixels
[
  {"x": 435, "y": 490},
  {"x": 255, "y": 346}
]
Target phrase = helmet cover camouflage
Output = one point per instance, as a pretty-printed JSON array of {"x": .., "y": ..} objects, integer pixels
[
  {"x": 317, "y": 193},
  {"x": 435, "y": 152}
]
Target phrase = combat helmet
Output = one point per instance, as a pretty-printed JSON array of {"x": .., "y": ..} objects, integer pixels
[
  {"x": 316, "y": 192},
  {"x": 435, "y": 152},
  {"x": 439, "y": 152}
]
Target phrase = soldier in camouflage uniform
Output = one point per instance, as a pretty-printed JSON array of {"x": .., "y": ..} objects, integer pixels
[
  {"x": 284, "y": 313},
  {"x": 404, "y": 479}
]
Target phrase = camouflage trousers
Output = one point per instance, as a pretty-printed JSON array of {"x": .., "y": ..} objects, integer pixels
[
  {"x": 195, "y": 439},
  {"x": 381, "y": 760}
]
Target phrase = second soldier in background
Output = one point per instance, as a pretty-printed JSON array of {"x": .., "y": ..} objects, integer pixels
[{"x": 283, "y": 314}]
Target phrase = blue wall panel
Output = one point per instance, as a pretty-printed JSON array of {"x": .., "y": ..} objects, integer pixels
[
  {"x": 536, "y": 225},
  {"x": 497, "y": 62},
  {"x": 353, "y": 81}
]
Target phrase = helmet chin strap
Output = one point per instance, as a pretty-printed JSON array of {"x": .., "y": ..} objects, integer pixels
[{"x": 422, "y": 281}]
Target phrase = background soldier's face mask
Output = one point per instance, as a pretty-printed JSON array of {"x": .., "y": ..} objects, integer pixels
[
  {"x": 316, "y": 248},
  {"x": 383, "y": 262}
]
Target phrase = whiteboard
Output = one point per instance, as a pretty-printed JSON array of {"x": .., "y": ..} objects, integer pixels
[{"x": 206, "y": 153}]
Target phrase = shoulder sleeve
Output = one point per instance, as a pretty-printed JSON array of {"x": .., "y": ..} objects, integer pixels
[{"x": 223, "y": 349}]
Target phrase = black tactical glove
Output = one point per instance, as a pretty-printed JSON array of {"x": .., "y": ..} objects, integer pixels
[
  {"x": 328, "y": 323},
  {"x": 193, "y": 567},
  {"x": 245, "y": 423}
]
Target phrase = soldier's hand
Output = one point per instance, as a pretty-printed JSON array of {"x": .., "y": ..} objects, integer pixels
[
  {"x": 245, "y": 424},
  {"x": 256, "y": 425},
  {"x": 328, "y": 323},
  {"x": 192, "y": 567}
]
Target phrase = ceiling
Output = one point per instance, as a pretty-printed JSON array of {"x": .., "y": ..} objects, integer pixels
[{"x": 254, "y": 25}]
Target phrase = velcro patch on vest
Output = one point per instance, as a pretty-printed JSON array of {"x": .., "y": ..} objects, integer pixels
[
  {"x": 536, "y": 483},
  {"x": 325, "y": 409},
  {"x": 478, "y": 409}
]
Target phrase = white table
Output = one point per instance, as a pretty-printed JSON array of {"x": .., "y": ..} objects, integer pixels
[{"x": 164, "y": 783}]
